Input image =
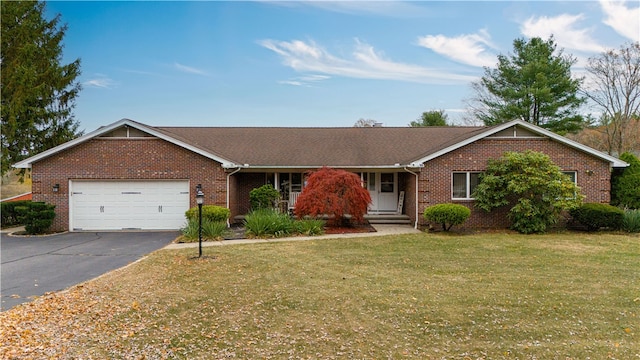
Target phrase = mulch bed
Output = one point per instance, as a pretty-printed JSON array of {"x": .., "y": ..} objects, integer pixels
[{"x": 354, "y": 229}]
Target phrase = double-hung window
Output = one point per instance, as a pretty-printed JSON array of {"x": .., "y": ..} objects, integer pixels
[
  {"x": 463, "y": 184},
  {"x": 572, "y": 175}
]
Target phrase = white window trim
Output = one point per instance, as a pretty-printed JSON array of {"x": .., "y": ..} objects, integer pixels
[
  {"x": 468, "y": 184},
  {"x": 575, "y": 175}
]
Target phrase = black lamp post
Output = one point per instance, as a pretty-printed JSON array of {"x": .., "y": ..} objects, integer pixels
[{"x": 199, "y": 201}]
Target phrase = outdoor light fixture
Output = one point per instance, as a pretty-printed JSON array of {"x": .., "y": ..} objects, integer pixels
[
  {"x": 56, "y": 187},
  {"x": 589, "y": 172},
  {"x": 199, "y": 201}
]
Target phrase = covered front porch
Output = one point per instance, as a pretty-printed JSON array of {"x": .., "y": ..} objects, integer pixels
[{"x": 391, "y": 193}]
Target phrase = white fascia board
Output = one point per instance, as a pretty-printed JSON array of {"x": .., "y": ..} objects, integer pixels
[
  {"x": 615, "y": 162},
  {"x": 374, "y": 167},
  {"x": 26, "y": 163}
]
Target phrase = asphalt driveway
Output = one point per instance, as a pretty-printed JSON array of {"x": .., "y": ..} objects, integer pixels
[{"x": 33, "y": 266}]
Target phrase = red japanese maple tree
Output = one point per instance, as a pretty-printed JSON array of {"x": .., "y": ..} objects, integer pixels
[{"x": 335, "y": 193}]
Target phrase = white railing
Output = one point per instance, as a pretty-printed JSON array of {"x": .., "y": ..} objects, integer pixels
[{"x": 293, "y": 197}]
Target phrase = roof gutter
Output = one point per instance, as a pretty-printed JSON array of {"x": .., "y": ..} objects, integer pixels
[
  {"x": 415, "y": 225},
  {"x": 269, "y": 167},
  {"x": 229, "y": 187}
]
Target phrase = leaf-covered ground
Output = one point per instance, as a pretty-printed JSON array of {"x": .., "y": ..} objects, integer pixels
[{"x": 424, "y": 296}]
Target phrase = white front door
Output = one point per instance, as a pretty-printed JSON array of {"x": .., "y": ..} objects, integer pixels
[
  {"x": 383, "y": 188},
  {"x": 118, "y": 205}
]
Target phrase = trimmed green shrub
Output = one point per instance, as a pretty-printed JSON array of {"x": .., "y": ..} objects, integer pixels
[
  {"x": 447, "y": 214},
  {"x": 37, "y": 217},
  {"x": 631, "y": 221},
  {"x": 531, "y": 185},
  {"x": 8, "y": 213},
  {"x": 595, "y": 216},
  {"x": 211, "y": 213},
  {"x": 211, "y": 230},
  {"x": 264, "y": 197},
  {"x": 268, "y": 222}
]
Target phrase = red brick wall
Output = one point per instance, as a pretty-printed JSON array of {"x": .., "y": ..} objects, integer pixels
[
  {"x": 124, "y": 159},
  {"x": 435, "y": 177},
  {"x": 246, "y": 183},
  {"x": 407, "y": 183}
]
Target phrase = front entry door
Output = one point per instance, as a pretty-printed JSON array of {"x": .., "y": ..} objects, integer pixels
[{"x": 383, "y": 188}]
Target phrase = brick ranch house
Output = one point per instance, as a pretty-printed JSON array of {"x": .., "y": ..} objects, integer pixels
[{"x": 129, "y": 175}]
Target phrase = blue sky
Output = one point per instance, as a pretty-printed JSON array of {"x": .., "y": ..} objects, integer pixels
[{"x": 310, "y": 63}]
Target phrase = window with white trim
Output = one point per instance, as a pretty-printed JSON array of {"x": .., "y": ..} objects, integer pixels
[
  {"x": 463, "y": 184},
  {"x": 573, "y": 175}
]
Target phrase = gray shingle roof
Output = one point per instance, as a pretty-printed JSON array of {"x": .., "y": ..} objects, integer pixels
[{"x": 314, "y": 147}]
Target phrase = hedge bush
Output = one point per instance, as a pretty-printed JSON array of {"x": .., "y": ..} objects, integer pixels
[
  {"x": 625, "y": 187},
  {"x": 595, "y": 216},
  {"x": 8, "y": 213},
  {"x": 211, "y": 213},
  {"x": 264, "y": 197},
  {"x": 37, "y": 217},
  {"x": 447, "y": 214}
]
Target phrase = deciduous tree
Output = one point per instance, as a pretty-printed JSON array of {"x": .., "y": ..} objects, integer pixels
[
  {"x": 431, "y": 118},
  {"x": 533, "y": 84},
  {"x": 335, "y": 193},
  {"x": 38, "y": 90},
  {"x": 614, "y": 87},
  {"x": 532, "y": 185}
]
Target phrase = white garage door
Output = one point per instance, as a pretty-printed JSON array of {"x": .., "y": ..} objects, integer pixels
[{"x": 122, "y": 205}]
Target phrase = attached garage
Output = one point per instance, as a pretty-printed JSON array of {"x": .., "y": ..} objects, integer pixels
[{"x": 128, "y": 205}]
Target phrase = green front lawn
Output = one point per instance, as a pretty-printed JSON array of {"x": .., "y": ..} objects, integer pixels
[{"x": 424, "y": 296}]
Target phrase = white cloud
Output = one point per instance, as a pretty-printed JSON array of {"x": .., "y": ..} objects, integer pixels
[
  {"x": 291, "y": 82},
  {"x": 189, "y": 69},
  {"x": 100, "y": 81},
  {"x": 402, "y": 9},
  {"x": 365, "y": 63},
  {"x": 470, "y": 49},
  {"x": 624, "y": 20},
  {"x": 564, "y": 30},
  {"x": 304, "y": 80}
]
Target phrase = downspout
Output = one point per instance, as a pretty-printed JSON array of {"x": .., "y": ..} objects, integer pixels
[
  {"x": 415, "y": 226},
  {"x": 228, "y": 189}
]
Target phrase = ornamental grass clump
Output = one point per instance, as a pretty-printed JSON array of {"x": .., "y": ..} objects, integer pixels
[
  {"x": 631, "y": 221},
  {"x": 447, "y": 215},
  {"x": 309, "y": 226},
  {"x": 211, "y": 230},
  {"x": 268, "y": 223}
]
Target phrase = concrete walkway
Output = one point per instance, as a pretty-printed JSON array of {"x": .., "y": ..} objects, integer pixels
[
  {"x": 11, "y": 230},
  {"x": 381, "y": 230}
]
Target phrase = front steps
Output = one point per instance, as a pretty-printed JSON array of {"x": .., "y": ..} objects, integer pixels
[{"x": 395, "y": 219}]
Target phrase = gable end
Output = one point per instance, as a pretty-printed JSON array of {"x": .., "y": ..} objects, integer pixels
[
  {"x": 126, "y": 132},
  {"x": 515, "y": 132}
]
